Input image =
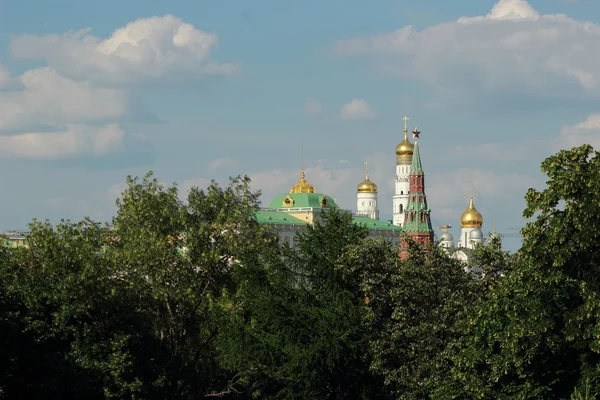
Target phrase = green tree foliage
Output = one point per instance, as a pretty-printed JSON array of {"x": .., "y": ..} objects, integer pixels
[
  {"x": 193, "y": 299},
  {"x": 412, "y": 307},
  {"x": 536, "y": 334},
  {"x": 122, "y": 311},
  {"x": 298, "y": 332}
]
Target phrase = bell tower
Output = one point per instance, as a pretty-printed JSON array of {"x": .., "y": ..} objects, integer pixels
[{"x": 404, "y": 156}]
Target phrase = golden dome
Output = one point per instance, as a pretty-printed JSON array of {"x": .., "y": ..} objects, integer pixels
[
  {"x": 404, "y": 150},
  {"x": 471, "y": 218},
  {"x": 367, "y": 186},
  {"x": 302, "y": 186}
]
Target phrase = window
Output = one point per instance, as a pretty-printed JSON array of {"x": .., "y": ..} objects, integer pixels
[
  {"x": 363, "y": 203},
  {"x": 401, "y": 208},
  {"x": 402, "y": 192}
]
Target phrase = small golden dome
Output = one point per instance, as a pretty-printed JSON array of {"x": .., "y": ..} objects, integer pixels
[
  {"x": 471, "y": 218},
  {"x": 366, "y": 186},
  {"x": 404, "y": 150},
  {"x": 302, "y": 186}
]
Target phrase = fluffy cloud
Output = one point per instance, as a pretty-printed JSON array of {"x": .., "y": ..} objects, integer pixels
[
  {"x": 147, "y": 48},
  {"x": 586, "y": 132},
  {"x": 73, "y": 107},
  {"x": 513, "y": 48},
  {"x": 313, "y": 107},
  {"x": 76, "y": 140},
  {"x": 5, "y": 77},
  {"x": 48, "y": 99},
  {"x": 357, "y": 109}
]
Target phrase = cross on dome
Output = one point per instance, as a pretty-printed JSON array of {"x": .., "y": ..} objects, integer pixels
[{"x": 405, "y": 119}]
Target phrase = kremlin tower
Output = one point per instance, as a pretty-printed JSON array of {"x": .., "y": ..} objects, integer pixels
[
  {"x": 404, "y": 157},
  {"x": 366, "y": 197},
  {"x": 417, "y": 215}
]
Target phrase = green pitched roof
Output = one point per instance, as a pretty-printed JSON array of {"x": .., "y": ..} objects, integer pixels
[
  {"x": 275, "y": 217},
  {"x": 416, "y": 166},
  {"x": 302, "y": 200},
  {"x": 375, "y": 223}
]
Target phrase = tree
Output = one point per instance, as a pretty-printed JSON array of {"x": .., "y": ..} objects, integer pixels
[
  {"x": 59, "y": 301},
  {"x": 298, "y": 333},
  {"x": 178, "y": 258},
  {"x": 411, "y": 311},
  {"x": 536, "y": 334},
  {"x": 130, "y": 310}
]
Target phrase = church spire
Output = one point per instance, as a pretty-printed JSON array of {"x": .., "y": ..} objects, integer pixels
[
  {"x": 416, "y": 166},
  {"x": 417, "y": 215}
]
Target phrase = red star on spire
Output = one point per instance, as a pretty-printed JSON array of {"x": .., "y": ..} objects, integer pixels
[{"x": 416, "y": 133}]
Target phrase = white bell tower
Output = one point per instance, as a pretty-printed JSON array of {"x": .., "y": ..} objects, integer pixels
[{"x": 404, "y": 153}]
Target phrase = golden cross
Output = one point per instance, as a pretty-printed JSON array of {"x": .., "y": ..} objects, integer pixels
[
  {"x": 405, "y": 119},
  {"x": 367, "y": 167}
]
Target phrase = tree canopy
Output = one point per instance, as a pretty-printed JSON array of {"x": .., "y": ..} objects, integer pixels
[{"x": 189, "y": 299}]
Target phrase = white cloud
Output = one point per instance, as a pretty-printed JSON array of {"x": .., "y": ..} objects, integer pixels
[
  {"x": 513, "y": 48},
  {"x": 357, "y": 109},
  {"x": 586, "y": 132},
  {"x": 147, "y": 48},
  {"x": 5, "y": 77},
  {"x": 223, "y": 162},
  {"x": 76, "y": 140},
  {"x": 507, "y": 10},
  {"x": 313, "y": 107},
  {"x": 52, "y": 100}
]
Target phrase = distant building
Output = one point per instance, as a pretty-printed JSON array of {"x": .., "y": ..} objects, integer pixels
[{"x": 290, "y": 212}]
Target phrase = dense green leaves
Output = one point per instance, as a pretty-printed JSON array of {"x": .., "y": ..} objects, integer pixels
[{"x": 193, "y": 299}]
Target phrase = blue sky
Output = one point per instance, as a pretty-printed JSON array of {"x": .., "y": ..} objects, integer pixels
[{"x": 194, "y": 90}]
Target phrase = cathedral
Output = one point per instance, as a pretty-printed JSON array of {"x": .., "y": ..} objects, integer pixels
[{"x": 290, "y": 212}]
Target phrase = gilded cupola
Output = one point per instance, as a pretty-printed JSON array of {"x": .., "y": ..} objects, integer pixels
[
  {"x": 367, "y": 186},
  {"x": 302, "y": 186},
  {"x": 404, "y": 150},
  {"x": 471, "y": 218}
]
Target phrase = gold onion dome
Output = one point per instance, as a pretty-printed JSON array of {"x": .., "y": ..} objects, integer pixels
[
  {"x": 367, "y": 186},
  {"x": 302, "y": 186},
  {"x": 405, "y": 150},
  {"x": 471, "y": 218}
]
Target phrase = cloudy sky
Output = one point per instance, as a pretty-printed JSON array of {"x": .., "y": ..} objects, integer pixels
[{"x": 91, "y": 92}]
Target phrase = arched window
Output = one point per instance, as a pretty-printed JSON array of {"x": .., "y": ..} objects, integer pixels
[{"x": 401, "y": 208}]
